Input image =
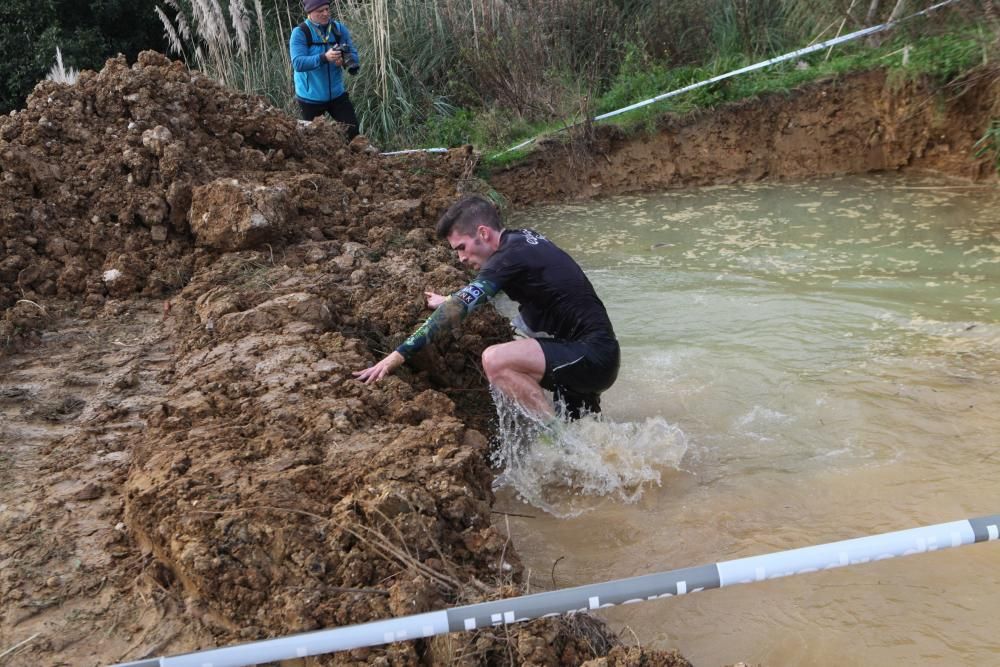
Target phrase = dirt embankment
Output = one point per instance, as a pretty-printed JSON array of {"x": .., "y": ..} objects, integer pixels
[
  {"x": 188, "y": 280},
  {"x": 857, "y": 123},
  {"x": 115, "y": 187}
]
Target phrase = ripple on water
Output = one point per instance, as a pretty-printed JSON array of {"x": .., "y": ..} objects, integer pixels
[{"x": 825, "y": 357}]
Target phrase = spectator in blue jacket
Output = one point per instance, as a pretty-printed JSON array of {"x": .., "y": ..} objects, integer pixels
[{"x": 321, "y": 49}]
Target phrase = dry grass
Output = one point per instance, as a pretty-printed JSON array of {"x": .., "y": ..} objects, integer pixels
[
  {"x": 237, "y": 43},
  {"x": 60, "y": 73},
  {"x": 17, "y": 647}
]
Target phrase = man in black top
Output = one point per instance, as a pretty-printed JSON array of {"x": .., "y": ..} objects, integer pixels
[{"x": 572, "y": 350}]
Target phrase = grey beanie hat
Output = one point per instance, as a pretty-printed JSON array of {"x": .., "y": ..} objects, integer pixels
[{"x": 313, "y": 5}]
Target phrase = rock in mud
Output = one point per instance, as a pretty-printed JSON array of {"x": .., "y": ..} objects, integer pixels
[
  {"x": 89, "y": 492},
  {"x": 229, "y": 215}
]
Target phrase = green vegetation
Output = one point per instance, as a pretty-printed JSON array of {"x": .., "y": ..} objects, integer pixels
[
  {"x": 942, "y": 47},
  {"x": 989, "y": 144},
  {"x": 496, "y": 72},
  {"x": 906, "y": 56},
  {"x": 945, "y": 57}
]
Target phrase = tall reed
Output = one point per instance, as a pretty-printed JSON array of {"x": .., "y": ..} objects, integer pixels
[
  {"x": 420, "y": 59},
  {"x": 240, "y": 44},
  {"x": 60, "y": 73}
]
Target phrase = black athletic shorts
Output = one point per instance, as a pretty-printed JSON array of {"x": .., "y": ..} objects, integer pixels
[{"x": 577, "y": 371}]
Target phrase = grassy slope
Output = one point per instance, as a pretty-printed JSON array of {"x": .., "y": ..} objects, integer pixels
[{"x": 941, "y": 57}]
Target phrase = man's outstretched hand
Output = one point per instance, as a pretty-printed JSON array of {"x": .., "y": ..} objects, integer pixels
[
  {"x": 375, "y": 373},
  {"x": 434, "y": 300}
]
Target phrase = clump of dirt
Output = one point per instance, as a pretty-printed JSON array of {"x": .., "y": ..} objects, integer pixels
[
  {"x": 858, "y": 123},
  {"x": 270, "y": 479}
]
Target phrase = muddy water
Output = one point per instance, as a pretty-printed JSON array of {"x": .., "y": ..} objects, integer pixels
[{"x": 830, "y": 352}]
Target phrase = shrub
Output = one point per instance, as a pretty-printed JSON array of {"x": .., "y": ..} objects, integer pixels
[{"x": 989, "y": 144}]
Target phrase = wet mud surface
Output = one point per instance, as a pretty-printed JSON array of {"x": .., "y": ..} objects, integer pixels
[{"x": 188, "y": 280}]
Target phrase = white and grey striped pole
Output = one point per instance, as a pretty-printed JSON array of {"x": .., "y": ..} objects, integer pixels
[{"x": 595, "y": 596}]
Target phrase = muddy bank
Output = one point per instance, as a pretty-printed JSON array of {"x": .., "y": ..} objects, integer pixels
[
  {"x": 134, "y": 178},
  {"x": 189, "y": 279},
  {"x": 856, "y": 123}
]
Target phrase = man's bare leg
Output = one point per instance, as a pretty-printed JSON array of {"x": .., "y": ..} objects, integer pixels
[{"x": 516, "y": 368}]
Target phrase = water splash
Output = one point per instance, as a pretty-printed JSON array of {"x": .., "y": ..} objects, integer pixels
[{"x": 573, "y": 468}]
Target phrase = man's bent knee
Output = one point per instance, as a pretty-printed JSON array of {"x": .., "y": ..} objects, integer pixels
[
  {"x": 514, "y": 359},
  {"x": 491, "y": 363}
]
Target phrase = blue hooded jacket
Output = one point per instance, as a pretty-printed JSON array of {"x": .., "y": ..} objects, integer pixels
[{"x": 316, "y": 80}]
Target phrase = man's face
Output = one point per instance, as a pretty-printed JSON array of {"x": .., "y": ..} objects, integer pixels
[
  {"x": 472, "y": 249},
  {"x": 320, "y": 16}
]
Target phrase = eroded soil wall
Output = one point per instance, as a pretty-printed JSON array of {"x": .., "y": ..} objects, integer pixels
[{"x": 853, "y": 124}]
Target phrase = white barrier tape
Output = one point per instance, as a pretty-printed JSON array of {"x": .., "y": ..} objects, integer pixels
[
  {"x": 594, "y": 596},
  {"x": 416, "y": 150}
]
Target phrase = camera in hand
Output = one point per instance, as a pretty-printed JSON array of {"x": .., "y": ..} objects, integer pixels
[{"x": 347, "y": 58}]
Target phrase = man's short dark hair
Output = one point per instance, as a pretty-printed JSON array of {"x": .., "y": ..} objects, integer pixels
[{"x": 467, "y": 214}]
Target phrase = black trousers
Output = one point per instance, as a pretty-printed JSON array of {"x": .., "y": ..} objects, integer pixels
[{"x": 340, "y": 109}]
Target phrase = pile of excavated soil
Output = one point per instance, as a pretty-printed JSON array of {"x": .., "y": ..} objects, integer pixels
[
  {"x": 127, "y": 182},
  {"x": 192, "y": 277},
  {"x": 860, "y": 122}
]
